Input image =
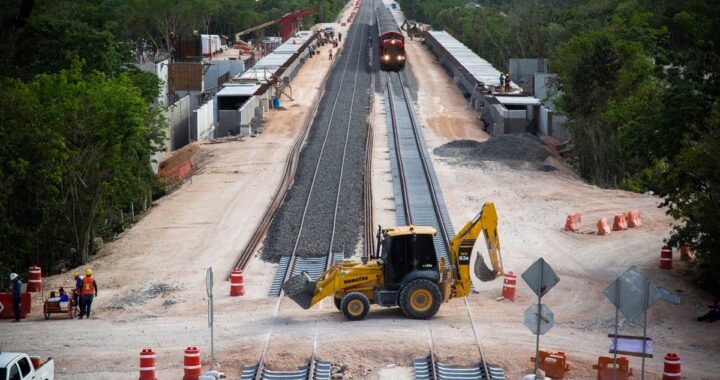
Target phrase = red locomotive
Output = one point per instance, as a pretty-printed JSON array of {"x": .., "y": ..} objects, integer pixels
[{"x": 391, "y": 42}]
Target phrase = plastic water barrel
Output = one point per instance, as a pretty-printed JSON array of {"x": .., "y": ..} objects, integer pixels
[{"x": 276, "y": 102}]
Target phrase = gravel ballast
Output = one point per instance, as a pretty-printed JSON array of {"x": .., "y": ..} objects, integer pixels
[
  {"x": 317, "y": 228},
  {"x": 520, "y": 147}
]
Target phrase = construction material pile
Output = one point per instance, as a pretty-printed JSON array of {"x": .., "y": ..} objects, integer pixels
[{"x": 523, "y": 147}]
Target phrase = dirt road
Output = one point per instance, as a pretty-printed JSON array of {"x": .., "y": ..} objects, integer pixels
[{"x": 152, "y": 278}]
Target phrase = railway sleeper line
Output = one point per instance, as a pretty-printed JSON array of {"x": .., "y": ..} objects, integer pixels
[
  {"x": 423, "y": 204},
  {"x": 292, "y": 264},
  {"x": 428, "y": 368},
  {"x": 320, "y": 370}
]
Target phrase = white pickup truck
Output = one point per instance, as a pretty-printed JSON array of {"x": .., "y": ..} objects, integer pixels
[{"x": 18, "y": 366}]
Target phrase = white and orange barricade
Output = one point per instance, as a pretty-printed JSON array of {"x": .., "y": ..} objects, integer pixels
[
  {"x": 572, "y": 222},
  {"x": 619, "y": 223},
  {"x": 603, "y": 228},
  {"x": 632, "y": 219}
]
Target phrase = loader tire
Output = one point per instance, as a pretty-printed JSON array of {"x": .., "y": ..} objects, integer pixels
[
  {"x": 420, "y": 299},
  {"x": 355, "y": 306}
]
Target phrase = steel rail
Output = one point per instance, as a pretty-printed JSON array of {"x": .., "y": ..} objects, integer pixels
[
  {"x": 368, "y": 196},
  {"x": 436, "y": 207},
  {"x": 398, "y": 155},
  {"x": 291, "y": 264},
  {"x": 288, "y": 178}
]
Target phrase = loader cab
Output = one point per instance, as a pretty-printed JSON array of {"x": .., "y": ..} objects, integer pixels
[{"x": 408, "y": 253}]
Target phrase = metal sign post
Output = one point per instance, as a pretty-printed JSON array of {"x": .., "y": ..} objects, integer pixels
[
  {"x": 537, "y": 336},
  {"x": 541, "y": 278},
  {"x": 211, "y": 314},
  {"x": 633, "y": 294}
]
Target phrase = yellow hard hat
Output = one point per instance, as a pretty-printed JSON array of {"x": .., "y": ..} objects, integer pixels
[
  {"x": 88, "y": 272},
  {"x": 76, "y": 275}
]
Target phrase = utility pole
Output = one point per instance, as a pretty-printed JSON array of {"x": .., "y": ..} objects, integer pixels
[{"x": 320, "y": 6}]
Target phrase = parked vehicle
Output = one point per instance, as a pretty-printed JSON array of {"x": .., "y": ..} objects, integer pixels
[{"x": 19, "y": 366}]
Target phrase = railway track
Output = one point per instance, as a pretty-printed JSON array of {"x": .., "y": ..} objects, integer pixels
[
  {"x": 422, "y": 204},
  {"x": 294, "y": 263}
]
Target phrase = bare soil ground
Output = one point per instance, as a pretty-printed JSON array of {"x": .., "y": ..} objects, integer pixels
[
  {"x": 532, "y": 205},
  {"x": 152, "y": 278}
]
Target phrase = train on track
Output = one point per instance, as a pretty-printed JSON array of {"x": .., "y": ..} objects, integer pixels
[{"x": 391, "y": 42}]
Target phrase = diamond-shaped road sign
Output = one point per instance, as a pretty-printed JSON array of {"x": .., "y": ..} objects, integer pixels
[
  {"x": 546, "y": 316},
  {"x": 628, "y": 293},
  {"x": 2, "y": 307},
  {"x": 540, "y": 277}
]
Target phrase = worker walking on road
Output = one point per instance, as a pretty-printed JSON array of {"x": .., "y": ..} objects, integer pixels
[
  {"x": 370, "y": 41},
  {"x": 16, "y": 287},
  {"x": 77, "y": 294},
  {"x": 339, "y": 36},
  {"x": 89, "y": 290},
  {"x": 330, "y": 51}
]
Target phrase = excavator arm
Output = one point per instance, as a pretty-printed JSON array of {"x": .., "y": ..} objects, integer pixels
[{"x": 462, "y": 244}]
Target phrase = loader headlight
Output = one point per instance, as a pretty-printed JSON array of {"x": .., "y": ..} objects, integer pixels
[
  {"x": 401, "y": 57},
  {"x": 386, "y": 57}
]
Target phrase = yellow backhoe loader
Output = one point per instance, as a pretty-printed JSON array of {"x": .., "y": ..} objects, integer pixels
[{"x": 405, "y": 271}]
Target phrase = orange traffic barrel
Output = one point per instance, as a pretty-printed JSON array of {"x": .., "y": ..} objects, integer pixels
[
  {"x": 34, "y": 279},
  {"x": 671, "y": 370},
  {"x": 508, "y": 290},
  {"x": 191, "y": 363},
  {"x": 237, "y": 286},
  {"x": 666, "y": 257},
  {"x": 147, "y": 364}
]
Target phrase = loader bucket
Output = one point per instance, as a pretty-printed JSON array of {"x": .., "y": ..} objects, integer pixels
[
  {"x": 301, "y": 289},
  {"x": 482, "y": 271}
]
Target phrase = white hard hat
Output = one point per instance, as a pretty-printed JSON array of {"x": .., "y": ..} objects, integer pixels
[{"x": 13, "y": 276}]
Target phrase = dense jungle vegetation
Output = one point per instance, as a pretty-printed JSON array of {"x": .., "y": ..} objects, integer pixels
[
  {"x": 77, "y": 122},
  {"x": 639, "y": 81}
]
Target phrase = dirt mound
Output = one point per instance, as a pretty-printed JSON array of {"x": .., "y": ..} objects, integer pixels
[{"x": 506, "y": 147}]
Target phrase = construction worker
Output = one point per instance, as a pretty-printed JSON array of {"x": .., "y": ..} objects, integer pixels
[
  {"x": 16, "y": 287},
  {"x": 89, "y": 290},
  {"x": 339, "y": 36},
  {"x": 77, "y": 294},
  {"x": 502, "y": 80},
  {"x": 330, "y": 53},
  {"x": 370, "y": 41}
]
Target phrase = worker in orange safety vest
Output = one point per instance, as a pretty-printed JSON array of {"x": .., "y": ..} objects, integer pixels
[{"x": 88, "y": 292}]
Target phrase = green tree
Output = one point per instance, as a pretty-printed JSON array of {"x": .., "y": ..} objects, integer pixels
[
  {"x": 31, "y": 155},
  {"x": 693, "y": 199},
  {"x": 48, "y": 44},
  {"x": 109, "y": 132}
]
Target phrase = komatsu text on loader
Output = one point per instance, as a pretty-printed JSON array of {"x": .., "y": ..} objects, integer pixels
[{"x": 405, "y": 272}]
